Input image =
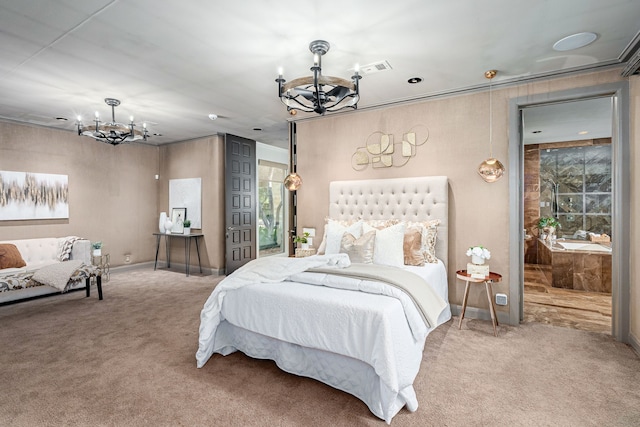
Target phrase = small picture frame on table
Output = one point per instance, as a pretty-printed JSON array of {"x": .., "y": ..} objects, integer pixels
[{"x": 178, "y": 215}]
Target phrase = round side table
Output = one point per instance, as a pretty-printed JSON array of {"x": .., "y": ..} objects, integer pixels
[{"x": 488, "y": 280}]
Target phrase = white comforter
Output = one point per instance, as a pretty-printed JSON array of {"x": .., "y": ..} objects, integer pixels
[{"x": 388, "y": 334}]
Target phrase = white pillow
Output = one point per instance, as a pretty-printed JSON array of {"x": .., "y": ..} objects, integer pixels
[
  {"x": 388, "y": 248},
  {"x": 335, "y": 230}
]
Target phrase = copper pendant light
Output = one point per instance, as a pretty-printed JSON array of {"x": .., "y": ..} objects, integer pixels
[
  {"x": 293, "y": 181},
  {"x": 491, "y": 169}
]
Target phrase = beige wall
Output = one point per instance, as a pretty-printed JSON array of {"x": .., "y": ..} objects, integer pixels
[
  {"x": 201, "y": 158},
  {"x": 458, "y": 142},
  {"x": 113, "y": 196},
  {"x": 635, "y": 210}
]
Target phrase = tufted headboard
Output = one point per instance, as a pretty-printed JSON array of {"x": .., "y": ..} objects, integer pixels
[{"x": 405, "y": 199}]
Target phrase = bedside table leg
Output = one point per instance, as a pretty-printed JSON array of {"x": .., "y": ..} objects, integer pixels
[
  {"x": 464, "y": 304},
  {"x": 492, "y": 309}
]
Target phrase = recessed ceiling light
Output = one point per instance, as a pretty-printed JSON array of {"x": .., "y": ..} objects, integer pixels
[
  {"x": 62, "y": 119},
  {"x": 213, "y": 116},
  {"x": 257, "y": 129},
  {"x": 536, "y": 131},
  {"x": 583, "y": 132},
  {"x": 575, "y": 41},
  {"x": 414, "y": 80}
]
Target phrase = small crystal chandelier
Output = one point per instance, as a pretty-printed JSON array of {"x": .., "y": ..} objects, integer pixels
[
  {"x": 491, "y": 169},
  {"x": 112, "y": 132},
  {"x": 319, "y": 93}
]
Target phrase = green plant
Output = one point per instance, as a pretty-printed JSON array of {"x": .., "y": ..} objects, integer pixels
[
  {"x": 548, "y": 221},
  {"x": 301, "y": 239},
  {"x": 187, "y": 223},
  {"x": 96, "y": 245}
]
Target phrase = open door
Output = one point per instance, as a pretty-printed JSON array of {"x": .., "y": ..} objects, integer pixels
[{"x": 240, "y": 202}]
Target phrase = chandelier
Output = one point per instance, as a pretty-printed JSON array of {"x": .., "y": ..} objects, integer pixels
[
  {"x": 112, "y": 132},
  {"x": 319, "y": 93}
]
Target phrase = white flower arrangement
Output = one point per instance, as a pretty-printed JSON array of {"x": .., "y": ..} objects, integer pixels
[{"x": 479, "y": 251}]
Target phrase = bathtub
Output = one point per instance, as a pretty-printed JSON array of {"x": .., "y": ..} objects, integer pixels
[
  {"x": 583, "y": 246},
  {"x": 577, "y": 264}
]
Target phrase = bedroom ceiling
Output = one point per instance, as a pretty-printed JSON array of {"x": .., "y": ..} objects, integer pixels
[{"x": 172, "y": 64}]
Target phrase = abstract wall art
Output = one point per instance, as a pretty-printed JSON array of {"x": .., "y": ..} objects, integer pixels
[
  {"x": 27, "y": 195},
  {"x": 187, "y": 193}
]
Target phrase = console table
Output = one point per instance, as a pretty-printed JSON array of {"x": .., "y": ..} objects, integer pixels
[{"x": 187, "y": 248}]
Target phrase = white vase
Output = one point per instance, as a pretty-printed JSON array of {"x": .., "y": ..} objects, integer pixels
[
  {"x": 187, "y": 230},
  {"x": 163, "y": 219},
  {"x": 97, "y": 252},
  {"x": 167, "y": 226},
  {"x": 477, "y": 260},
  {"x": 305, "y": 246}
]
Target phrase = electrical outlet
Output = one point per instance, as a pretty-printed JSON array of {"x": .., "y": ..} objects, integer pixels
[
  {"x": 501, "y": 299},
  {"x": 127, "y": 258}
]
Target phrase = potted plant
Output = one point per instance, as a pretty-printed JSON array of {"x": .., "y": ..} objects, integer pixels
[
  {"x": 548, "y": 225},
  {"x": 187, "y": 226},
  {"x": 478, "y": 254},
  {"x": 97, "y": 248},
  {"x": 303, "y": 240}
]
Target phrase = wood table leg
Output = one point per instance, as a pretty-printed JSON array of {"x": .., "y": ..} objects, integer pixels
[
  {"x": 464, "y": 304},
  {"x": 492, "y": 310}
]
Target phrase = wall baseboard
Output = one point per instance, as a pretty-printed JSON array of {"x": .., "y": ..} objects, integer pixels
[
  {"x": 175, "y": 266},
  {"x": 480, "y": 313}
]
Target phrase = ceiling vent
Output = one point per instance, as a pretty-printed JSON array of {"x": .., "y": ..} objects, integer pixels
[{"x": 376, "y": 67}]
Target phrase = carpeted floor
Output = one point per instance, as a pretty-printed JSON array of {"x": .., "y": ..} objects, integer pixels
[{"x": 129, "y": 361}]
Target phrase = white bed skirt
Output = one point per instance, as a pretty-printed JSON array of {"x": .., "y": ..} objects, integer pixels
[{"x": 343, "y": 373}]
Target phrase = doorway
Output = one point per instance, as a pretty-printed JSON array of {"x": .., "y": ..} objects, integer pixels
[
  {"x": 567, "y": 213},
  {"x": 240, "y": 202},
  {"x": 620, "y": 197}
]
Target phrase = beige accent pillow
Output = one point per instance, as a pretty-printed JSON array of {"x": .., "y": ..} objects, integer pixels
[
  {"x": 360, "y": 250},
  {"x": 429, "y": 230},
  {"x": 10, "y": 256},
  {"x": 412, "y": 247}
]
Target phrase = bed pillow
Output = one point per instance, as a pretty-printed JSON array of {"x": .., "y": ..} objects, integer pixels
[
  {"x": 323, "y": 244},
  {"x": 429, "y": 230},
  {"x": 381, "y": 223},
  {"x": 10, "y": 256},
  {"x": 360, "y": 249},
  {"x": 412, "y": 247},
  {"x": 388, "y": 248},
  {"x": 335, "y": 231}
]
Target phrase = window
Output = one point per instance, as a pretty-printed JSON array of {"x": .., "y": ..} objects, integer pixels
[
  {"x": 271, "y": 207},
  {"x": 578, "y": 183}
]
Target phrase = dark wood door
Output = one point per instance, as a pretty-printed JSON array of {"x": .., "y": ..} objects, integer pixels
[{"x": 240, "y": 201}]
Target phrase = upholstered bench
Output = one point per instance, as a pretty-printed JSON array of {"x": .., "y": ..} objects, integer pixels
[{"x": 17, "y": 281}]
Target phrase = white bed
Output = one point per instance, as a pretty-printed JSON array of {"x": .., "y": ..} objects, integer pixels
[{"x": 355, "y": 334}]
